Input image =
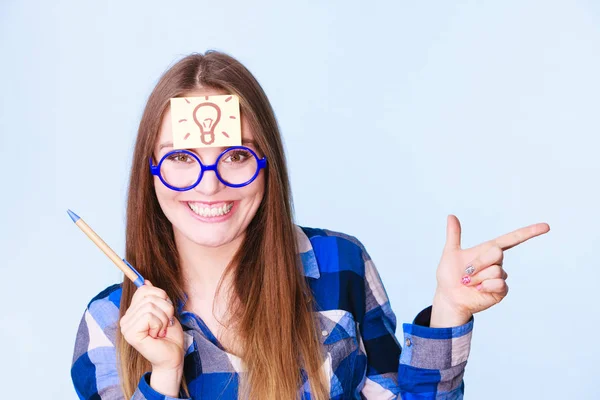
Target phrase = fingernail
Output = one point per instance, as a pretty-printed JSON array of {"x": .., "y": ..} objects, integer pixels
[
  {"x": 479, "y": 286},
  {"x": 470, "y": 269},
  {"x": 172, "y": 321},
  {"x": 163, "y": 333},
  {"x": 466, "y": 280}
]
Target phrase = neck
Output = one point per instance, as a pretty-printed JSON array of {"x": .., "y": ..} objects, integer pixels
[{"x": 203, "y": 267}]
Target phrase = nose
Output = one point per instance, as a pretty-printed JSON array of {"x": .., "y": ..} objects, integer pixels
[{"x": 209, "y": 184}]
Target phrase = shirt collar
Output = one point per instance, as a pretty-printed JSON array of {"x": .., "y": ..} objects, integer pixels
[{"x": 307, "y": 254}]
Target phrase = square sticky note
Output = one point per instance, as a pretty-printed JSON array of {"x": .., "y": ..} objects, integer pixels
[{"x": 207, "y": 121}]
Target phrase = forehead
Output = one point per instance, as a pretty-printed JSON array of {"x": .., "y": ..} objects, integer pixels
[{"x": 166, "y": 129}]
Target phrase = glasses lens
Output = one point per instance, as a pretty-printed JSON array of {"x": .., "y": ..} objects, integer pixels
[
  {"x": 180, "y": 170},
  {"x": 237, "y": 166}
]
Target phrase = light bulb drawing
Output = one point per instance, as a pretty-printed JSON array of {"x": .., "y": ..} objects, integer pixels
[{"x": 207, "y": 116}]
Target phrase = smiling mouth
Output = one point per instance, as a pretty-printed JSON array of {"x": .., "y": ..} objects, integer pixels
[{"x": 208, "y": 212}]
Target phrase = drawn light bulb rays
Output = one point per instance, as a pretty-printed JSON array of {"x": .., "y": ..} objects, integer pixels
[{"x": 197, "y": 120}]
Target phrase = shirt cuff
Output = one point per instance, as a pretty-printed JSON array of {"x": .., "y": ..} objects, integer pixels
[
  {"x": 145, "y": 391},
  {"x": 435, "y": 348}
]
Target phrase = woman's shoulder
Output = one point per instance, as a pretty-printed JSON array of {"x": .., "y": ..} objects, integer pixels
[
  {"x": 322, "y": 235},
  {"x": 333, "y": 251},
  {"x": 98, "y": 326},
  {"x": 105, "y": 305},
  {"x": 110, "y": 294}
]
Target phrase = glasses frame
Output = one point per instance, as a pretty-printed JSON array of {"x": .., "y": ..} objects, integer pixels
[{"x": 260, "y": 164}]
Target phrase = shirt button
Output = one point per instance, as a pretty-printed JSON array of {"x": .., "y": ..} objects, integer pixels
[
  {"x": 408, "y": 342},
  {"x": 324, "y": 333}
]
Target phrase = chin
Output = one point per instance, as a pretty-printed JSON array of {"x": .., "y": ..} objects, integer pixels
[
  {"x": 208, "y": 237},
  {"x": 210, "y": 241}
]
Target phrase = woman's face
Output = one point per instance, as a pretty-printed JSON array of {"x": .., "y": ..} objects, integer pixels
[{"x": 191, "y": 212}]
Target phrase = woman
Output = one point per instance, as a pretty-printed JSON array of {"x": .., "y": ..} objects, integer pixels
[{"x": 241, "y": 303}]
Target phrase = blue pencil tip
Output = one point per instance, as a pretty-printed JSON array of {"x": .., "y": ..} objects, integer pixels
[{"x": 73, "y": 216}]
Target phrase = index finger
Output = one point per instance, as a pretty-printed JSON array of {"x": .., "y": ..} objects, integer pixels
[
  {"x": 148, "y": 290},
  {"x": 519, "y": 236}
]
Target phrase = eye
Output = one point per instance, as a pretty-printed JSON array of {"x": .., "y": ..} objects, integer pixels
[
  {"x": 236, "y": 156},
  {"x": 181, "y": 158}
]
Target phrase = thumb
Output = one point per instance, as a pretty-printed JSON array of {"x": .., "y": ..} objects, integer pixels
[
  {"x": 147, "y": 282},
  {"x": 453, "y": 231}
]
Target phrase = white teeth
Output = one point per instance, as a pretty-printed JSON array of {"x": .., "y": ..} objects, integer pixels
[{"x": 210, "y": 212}]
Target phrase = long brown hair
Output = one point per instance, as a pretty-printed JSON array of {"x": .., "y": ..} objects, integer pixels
[{"x": 273, "y": 315}]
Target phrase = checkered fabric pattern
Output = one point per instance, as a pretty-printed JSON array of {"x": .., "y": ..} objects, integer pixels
[{"x": 364, "y": 359}]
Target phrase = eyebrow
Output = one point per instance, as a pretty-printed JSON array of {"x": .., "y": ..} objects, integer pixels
[
  {"x": 163, "y": 145},
  {"x": 170, "y": 144}
]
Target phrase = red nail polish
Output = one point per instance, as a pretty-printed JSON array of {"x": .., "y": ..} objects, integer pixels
[{"x": 466, "y": 280}]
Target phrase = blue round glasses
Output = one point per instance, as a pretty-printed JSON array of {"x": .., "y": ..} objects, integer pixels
[{"x": 182, "y": 170}]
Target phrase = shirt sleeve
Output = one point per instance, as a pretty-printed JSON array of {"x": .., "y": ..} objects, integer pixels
[
  {"x": 432, "y": 363},
  {"x": 94, "y": 369}
]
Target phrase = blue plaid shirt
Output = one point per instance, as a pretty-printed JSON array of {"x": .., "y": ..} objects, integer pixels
[{"x": 363, "y": 356}]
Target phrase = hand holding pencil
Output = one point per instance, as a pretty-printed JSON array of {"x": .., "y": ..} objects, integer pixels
[{"x": 149, "y": 324}]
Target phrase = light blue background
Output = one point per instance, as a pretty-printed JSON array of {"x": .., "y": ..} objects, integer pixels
[{"x": 485, "y": 109}]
